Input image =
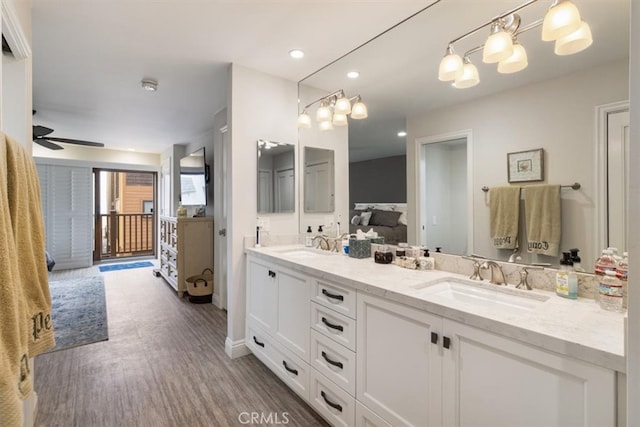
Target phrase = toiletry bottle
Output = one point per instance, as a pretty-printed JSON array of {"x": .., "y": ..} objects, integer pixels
[
  {"x": 575, "y": 259},
  {"x": 345, "y": 245},
  {"x": 622, "y": 269},
  {"x": 320, "y": 230},
  {"x": 610, "y": 292},
  {"x": 308, "y": 239},
  {"x": 614, "y": 254},
  {"x": 566, "y": 278},
  {"x": 605, "y": 262},
  {"x": 257, "y": 236},
  {"x": 425, "y": 262}
]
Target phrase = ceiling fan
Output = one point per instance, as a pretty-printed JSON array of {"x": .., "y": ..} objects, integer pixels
[{"x": 40, "y": 137}]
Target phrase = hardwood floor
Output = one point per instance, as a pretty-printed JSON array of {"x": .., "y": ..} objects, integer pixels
[{"x": 163, "y": 365}]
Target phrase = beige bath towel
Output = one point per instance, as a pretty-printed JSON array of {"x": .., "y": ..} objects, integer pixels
[
  {"x": 25, "y": 314},
  {"x": 543, "y": 219},
  {"x": 504, "y": 211}
]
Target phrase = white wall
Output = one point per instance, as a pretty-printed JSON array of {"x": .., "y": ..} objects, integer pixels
[
  {"x": 338, "y": 141},
  {"x": 633, "y": 345},
  {"x": 260, "y": 106},
  {"x": 557, "y": 115},
  {"x": 173, "y": 155}
]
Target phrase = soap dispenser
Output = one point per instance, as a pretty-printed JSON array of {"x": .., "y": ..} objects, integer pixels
[
  {"x": 566, "y": 278},
  {"x": 426, "y": 262},
  {"x": 308, "y": 239}
]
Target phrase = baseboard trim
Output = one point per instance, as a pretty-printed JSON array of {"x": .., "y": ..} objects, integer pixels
[
  {"x": 235, "y": 349},
  {"x": 215, "y": 299}
]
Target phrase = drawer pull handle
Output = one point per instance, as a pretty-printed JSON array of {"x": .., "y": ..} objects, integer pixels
[
  {"x": 330, "y": 403},
  {"x": 332, "y": 362},
  {"x": 293, "y": 371},
  {"x": 446, "y": 342},
  {"x": 332, "y": 296},
  {"x": 331, "y": 325},
  {"x": 272, "y": 273},
  {"x": 434, "y": 338},
  {"x": 255, "y": 340}
]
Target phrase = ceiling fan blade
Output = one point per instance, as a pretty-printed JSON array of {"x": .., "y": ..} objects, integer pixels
[
  {"x": 77, "y": 142},
  {"x": 47, "y": 144},
  {"x": 39, "y": 131}
]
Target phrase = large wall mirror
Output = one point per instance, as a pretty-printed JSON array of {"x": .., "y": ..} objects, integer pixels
[
  {"x": 276, "y": 177},
  {"x": 319, "y": 180},
  {"x": 552, "y": 104}
]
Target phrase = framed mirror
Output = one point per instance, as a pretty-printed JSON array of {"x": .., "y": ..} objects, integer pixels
[
  {"x": 276, "y": 177},
  {"x": 319, "y": 180},
  {"x": 194, "y": 175}
]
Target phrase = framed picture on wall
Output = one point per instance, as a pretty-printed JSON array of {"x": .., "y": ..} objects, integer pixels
[{"x": 526, "y": 166}]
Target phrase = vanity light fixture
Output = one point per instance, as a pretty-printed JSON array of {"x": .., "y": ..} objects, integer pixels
[
  {"x": 334, "y": 109},
  {"x": 562, "y": 23}
]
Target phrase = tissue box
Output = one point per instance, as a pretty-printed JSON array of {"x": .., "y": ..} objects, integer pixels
[{"x": 359, "y": 248}]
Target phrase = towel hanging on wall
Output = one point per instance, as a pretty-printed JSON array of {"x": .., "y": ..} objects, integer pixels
[
  {"x": 504, "y": 212},
  {"x": 543, "y": 219}
]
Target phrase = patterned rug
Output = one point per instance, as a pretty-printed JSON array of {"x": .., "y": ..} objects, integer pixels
[
  {"x": 79, "y": 311},
  {"x": 112, "y": 267}
]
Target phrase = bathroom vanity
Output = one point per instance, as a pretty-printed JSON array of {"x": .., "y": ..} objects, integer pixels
[{"x": 367, "y": 344}]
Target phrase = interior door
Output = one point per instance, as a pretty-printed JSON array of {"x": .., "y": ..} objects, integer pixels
[
  {"x": 220, "y": 213},
  {"x": 284, "y": 191},
  {"x": 318, "y": 197},
  {"x": 265, "y": 185},
  {"x": 618, "y": 178}
]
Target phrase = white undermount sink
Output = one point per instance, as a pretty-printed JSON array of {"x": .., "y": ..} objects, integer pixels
[
  {"x": 481, "y": 294},
  {"x": 302, "y": 253}
]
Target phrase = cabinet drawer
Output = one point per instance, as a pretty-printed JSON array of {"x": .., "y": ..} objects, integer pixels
[
  {"x": 336, "y": 362},
  {"x": 336, "y": 297},
  {"x": 289, "y": 368},
  {"x": 365, "y": 417},
  {"x": 338, "y": 327},
  {"x": 330, "y": 401}
]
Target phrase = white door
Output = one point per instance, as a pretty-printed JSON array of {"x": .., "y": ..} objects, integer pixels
[
  {"x": 618, "y": 178},
  {"x": 165, "y": 190},
  {"x": 220, "y": 207},
  {"x": 285, "y": 191},
  {"x": 67, "y": 194},
  {"x": 265, "y": 193},
  {"x": 262, "y": 296},
  {"x": 317, "y": 188},
  {"x": 492, "y": 381},
  {"x": 399, "y": 366},
  {"x": 292, "y": 328}
]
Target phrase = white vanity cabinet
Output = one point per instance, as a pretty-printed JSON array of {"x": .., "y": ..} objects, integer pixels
[{"x": 416, "y": 369}]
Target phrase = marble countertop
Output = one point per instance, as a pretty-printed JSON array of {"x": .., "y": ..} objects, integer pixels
[{"x": 576, "y": 328}]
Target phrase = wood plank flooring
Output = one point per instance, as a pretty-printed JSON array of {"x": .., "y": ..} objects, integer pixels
[{"x": 163, "y": 365}]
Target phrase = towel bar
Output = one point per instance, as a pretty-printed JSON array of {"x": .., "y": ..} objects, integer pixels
[{"x": 574, "y": 186}]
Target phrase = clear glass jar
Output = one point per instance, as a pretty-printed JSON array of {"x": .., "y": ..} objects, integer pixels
[{"x": 611, "y": 292}]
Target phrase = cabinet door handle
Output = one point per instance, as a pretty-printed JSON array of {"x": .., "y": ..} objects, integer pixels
[
  {"x": 434, "y": 338},
  {"x": 293, "y": 371},
  {"x": 255, "y": 340},
  {"x": 330, "y": 403},
  {"x": 446, "y": 342},
  {"x": 272, "y": 273},
  {"x": 332, "y": 326},
  {"x": 332, "y": 362},
  {"x": 332, "y": 296}
]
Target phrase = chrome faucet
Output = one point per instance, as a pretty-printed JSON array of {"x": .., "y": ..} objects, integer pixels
[
  {"x": 524, "y": 275},
  {"x": 324, "y": 243},
  {"x": 476, "y": 268},
  {"x": 497, "y": 275}
]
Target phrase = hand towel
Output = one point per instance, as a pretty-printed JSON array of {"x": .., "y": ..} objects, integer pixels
[
  {"x": 543, "y": 219},
  {"x": 25, "y": 318},
  {"x": 504, "y": 213}
]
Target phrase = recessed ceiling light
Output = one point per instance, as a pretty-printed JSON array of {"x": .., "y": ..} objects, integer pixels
[
  {"x": 296, "y": 54},
  {"x": 402, "y": 133},
  {"x": 149, "y": 84},
  {"x": 353, "y": 74}
]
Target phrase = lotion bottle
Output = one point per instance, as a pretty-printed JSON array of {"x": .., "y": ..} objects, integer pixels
[
  {"x": 566, "y": 278},
  {"x": 308, "y": 239}
]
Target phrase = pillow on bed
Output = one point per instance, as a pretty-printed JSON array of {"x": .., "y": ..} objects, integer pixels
[
  {"x": 355, "y": 220},
  {"x": 365, "y": 218},
  {"x": 385, "y": 218}
]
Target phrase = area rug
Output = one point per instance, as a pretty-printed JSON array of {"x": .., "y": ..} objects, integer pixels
[
  {"x": 78, "y": 311},
  {"x": 127, "y": 266}
]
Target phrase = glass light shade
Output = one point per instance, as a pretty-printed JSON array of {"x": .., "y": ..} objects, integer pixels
[
  {"x": 450, "y": 67},
  {"x": 575, "y": 42},
  {"x": 516, "y": 62},
  {"x": 469, "y": 77},
  {"x": 339, "y": 119},
  {"x": 304, "y": 121},
  {"x": 323, "y": 114},
  {"x": 359, "y": 111},
  {"x": 560, "y": 21},
  {"x": 326, "y": 125},
  {"x": 498, "y": 47},
  {"x": 343, "y": 106}
]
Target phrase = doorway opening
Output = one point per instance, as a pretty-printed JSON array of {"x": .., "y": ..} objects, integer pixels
[
  {"x": 124, "y": 212},
  {"x": 444, "y": 199}
]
